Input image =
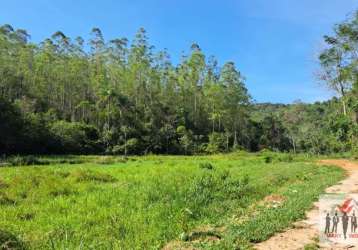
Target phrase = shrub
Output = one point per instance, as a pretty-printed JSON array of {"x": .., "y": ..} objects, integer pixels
[
  {"x": 185, "y": 139},
  {"x": 11, "y": 125},
  {"x": 130, "y": 147},
  {"x": 26, "y": 160},
  {"x": 216, "y": 143},
  {"x": 268, "y": 159},
  {"x": 16, "y": 161},
  {"x": 74, "y": 137},
  {"x": 23, "y": 132},
  {"x": 236, "y": 188},
  {"x": 201, "y": 190}
]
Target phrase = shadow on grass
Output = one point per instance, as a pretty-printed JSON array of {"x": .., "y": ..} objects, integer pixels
[{"x": 8, "y": 241}]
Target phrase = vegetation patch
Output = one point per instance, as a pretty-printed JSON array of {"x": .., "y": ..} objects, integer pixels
[
  {"x": 8, "y": 241},
  {"x": 26, "y": 216},
  {"x": 62, "y": 191},
  {"x": 108, "y": 160},
  {"x": 62, "y": 174},
  {"x": 83, "y": 175},
  {"x": 206, "y": 165},
  {"x": 3, "y": 184},
  {"x": 121, "y": 119},
  {"x": 25, "y": 161},
  {"x": 202, "y": 234},
  {"x": 147, "y": 205},
  {"x": 274, "y": 200},
  {"x": 6, "y": 200}
]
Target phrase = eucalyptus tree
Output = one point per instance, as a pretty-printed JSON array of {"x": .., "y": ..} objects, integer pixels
[
  {"x": 236, "y": 101},
  {"x": 121, "y": 97},
  {"x": 214, "y": 93},
  {"x": 14, "y": 56}
]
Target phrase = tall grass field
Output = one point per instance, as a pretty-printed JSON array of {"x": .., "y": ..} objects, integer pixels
[{"x": 225, "y": 201}]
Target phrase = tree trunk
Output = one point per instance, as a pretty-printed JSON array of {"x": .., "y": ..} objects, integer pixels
[
  {"x": 344, "y": 106},
  {"x": 125, "y": 144},
  {"x": 194, "y": 108},
  {"x": 293, "y": 144},
  {"x": 343, "y": 98},
  {"x": 167, "y": 145},
  {"x": 235, "y": 140}
]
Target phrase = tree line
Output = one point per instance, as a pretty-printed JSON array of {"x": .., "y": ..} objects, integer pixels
[{"x": 67, "y": 95}]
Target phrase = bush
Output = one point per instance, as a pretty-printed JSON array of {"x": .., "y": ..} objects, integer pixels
[
  {"x": 16, "y": 161},
  {"x": 216, "y": 143},
  {"x": 268, "y": 159},
  {"x": 24, "y": 160},
  {"x": 11, "y": 124},
  {"x": 37, "y": 138},
  {"x": 74, "y": 137},
  {"x": 130, "y": 147},
  {"x": 34, "y": 133}
]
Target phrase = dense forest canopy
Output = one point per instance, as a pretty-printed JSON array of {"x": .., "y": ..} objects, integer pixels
[{"x": 67, "y": 95}]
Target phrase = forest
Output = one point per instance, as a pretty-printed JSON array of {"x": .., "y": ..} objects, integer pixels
[{"x": 119, "y": 97}]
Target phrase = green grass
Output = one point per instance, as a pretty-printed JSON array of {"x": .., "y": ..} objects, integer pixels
[{"x": 145, "y": 202}]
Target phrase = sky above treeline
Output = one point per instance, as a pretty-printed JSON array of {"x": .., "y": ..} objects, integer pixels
[{"x": 274, "y": 43}]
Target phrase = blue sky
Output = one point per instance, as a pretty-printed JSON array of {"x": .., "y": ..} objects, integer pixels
[{"x": 274, "y": 43}]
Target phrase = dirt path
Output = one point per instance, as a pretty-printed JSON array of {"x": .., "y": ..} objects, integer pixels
[{"x": 305, "y": 232}]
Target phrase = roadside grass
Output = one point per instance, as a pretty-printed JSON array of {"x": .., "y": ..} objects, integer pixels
[
  {"x": 265, "y": 221},
  {"x": 145, "y": 202}
]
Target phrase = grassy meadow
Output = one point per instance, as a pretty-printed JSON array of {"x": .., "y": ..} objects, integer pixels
[{"x": 98, "y": 202}]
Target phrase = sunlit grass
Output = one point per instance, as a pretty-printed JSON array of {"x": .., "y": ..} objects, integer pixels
[{"x": 144, "y": 202}]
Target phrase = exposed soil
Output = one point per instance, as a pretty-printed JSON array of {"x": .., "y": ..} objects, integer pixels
[{"x": 306, "y": 232}]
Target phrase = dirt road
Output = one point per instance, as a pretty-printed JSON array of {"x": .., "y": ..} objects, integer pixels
[{"x": 305, "y": 232}]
